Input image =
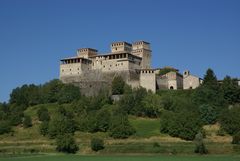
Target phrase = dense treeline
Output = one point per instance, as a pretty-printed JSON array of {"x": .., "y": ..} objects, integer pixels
[{"x": 182, "y": 113}]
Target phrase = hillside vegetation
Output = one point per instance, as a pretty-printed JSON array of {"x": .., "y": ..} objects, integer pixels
[{"x": 55, "y": 117}]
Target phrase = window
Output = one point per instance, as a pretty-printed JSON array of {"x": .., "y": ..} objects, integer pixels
[
  {"x": 70, "y": 69},
  {"x": 115, "y": 48},
  {"x": 171, "y": 87}
]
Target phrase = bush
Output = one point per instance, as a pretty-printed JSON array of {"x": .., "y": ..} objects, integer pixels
[
  {"x": 5, "y": 127},
  {"x": 208, "y": 114},
  {"x": 43, "y": 128},
  {"x": 230, "y": 120},
  {"x": 118, "y": 85},
  {"x": 184, "y": 124},
  {"x": 43, "y": 114},
  {"x": 66, "y": 143},
  {"x": 200, "y": 147},
  {"x": 97, "y": 144},
  {"x": 236, "y": 138},
  {"x": 121, "y": 127},
  {"x": 27, "y": 121}
]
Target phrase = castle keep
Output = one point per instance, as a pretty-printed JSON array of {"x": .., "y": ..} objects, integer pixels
[{"x": 92, "y": 71}]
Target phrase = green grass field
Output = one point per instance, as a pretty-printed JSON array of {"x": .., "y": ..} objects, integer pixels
[{"x": 120, "y": 158}]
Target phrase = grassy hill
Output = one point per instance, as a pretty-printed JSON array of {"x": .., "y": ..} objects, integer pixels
[{"x": 147, "y": 140}]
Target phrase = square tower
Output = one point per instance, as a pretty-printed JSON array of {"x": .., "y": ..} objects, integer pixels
[
  {"x": 121, "y": 47},
  {"x": 142, "y": 49},
  {"x": 86, "y": 52}
]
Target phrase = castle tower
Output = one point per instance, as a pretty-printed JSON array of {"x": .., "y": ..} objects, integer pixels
[
  {"x": 142, "y": 49},
  {"x": 121, "y": 47},
  {"x": 86, "y": 52}
]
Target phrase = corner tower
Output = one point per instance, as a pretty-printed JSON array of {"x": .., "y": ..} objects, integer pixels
[{"x": 142, "y": 49}]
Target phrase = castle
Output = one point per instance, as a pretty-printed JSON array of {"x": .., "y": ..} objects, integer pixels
[{"x": 92, "y": 71}]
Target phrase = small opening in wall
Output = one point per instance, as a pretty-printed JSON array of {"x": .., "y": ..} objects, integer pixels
[
  {"x": 115, "y": 48},
  {"x": 190, "y": 87},
  {"x": 171, "y": 87}
]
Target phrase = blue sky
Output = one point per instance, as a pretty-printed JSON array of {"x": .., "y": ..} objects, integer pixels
[{"x": 186, "y": 34}]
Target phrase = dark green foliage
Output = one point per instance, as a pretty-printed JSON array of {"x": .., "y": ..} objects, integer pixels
[
  {"x": 43, "y": 114},
  {"x": 102, "y": 120},
  {"x": 132, "y": 103},
  {"x": 208, "y": 114},
  {"x": 4, "y": 111},
  {"x": 236, "y": 138},
  {"x": 62, "y": 123},
  {"x": 97, "y": 144},
  {"x": 200, "y": 147},
  {"x": 16, "y": 115},
  {"x": 120, "y": 127},
  {"x": 230, "y": 120},
  {"x": 27, "y": 121},
  {"x": 184, "y": 124},
  {"x": 231, "y": 90},
  {"x": 118, "y": 85},
  {"x": 5, "y": 127},
  {"x": 43, "y": 128},
  {"x": 66, "y": 143},
  {"x": 51, "y": 91},
  {"x": 152, "y": 105},
  {"x": 68, "y": 93},
  {"x": 210, "y": 79},
  {"x": 26, "y": 95},
  {"x": 166, "y": 70}
]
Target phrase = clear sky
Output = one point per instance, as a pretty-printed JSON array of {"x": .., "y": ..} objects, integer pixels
[{"x": 185, "y": 34}]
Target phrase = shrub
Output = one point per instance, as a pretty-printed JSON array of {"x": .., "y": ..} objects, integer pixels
[
  {"x": 118, "y": 85},
  {"x": 27, "y": 121},
  {"x": 66, "y": 143},
  {"x": 230, "y": 120},
  {"x": 208, "y": 114},
  {"x": 97, "y": 144},
  {"x": 43, "y": 128},
  {"x": 184, "y": 124},
  {"x": 43, "y": 114},
  {"x": 236, "y": 138},
  {"x": 5, "y": 127},
  {"x": 200, "y": 147}
]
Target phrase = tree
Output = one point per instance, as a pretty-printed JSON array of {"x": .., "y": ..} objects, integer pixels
[
  {"x": 121, "y": 127},
  {"x": 66, "y": 143},
  {"x": 184, "y": 124},
  {"x": 51, "y": 91},
  {"x": 231, "y": 90},
  {"x": 62, "y": 123},
  {"x": 27, "y": 121},
  {"x": 44, "y": 127},
  {"x": 43, "y": 114},
  {"x": 97, "y": 144},
  {"x": 200, "y": 147},
  {"x": 152, "y": 105},
  {"x": 118, "y": 85},
  {"x": 5, "y": 127},
  {"x": 68, "y": 93},
  {"x": 230, "y": 120},
  {"x": 210, "y": 79},
  {"x": 103, "y": 120},
  {"x": 208, "y": 114},
  {"x": 236, "y": 138}
]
